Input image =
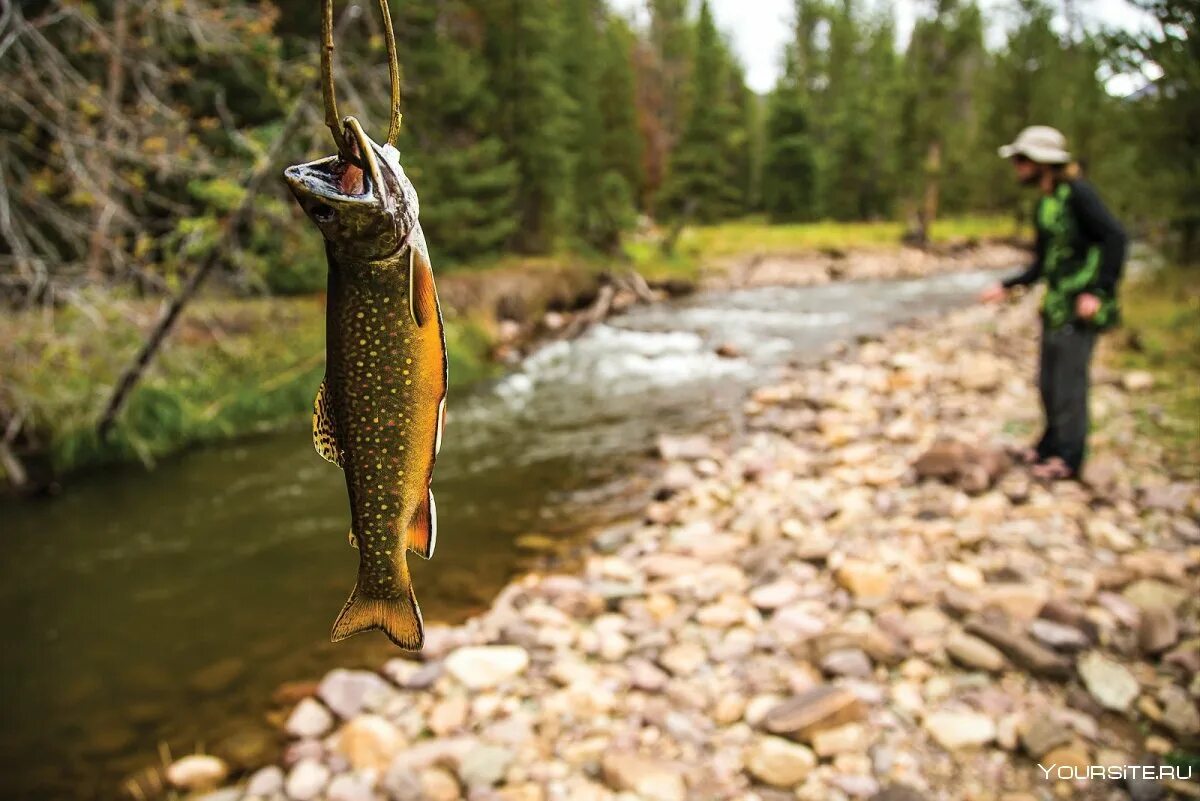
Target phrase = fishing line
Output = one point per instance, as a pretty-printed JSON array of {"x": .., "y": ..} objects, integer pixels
[{"x": 332, "y": 118}]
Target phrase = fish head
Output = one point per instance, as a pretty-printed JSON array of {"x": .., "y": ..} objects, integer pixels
[{"x": 365, "y": 210}]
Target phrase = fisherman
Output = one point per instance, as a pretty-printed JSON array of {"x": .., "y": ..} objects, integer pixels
[{"x": 1080, "y": 253}]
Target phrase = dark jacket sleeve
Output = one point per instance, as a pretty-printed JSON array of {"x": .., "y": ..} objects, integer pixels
[
  {"x": 1034, "y": 271},
  {"x": 1101, "y": 228}
]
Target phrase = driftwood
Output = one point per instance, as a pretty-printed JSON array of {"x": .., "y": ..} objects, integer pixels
[
  {"x": 267, "y": 166},
  {"x": 603, "y": 305}
]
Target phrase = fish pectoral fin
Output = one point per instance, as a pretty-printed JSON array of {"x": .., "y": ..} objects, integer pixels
[
  {"x": 353, "y": 540},
  {"x": 422, "y": 294},
  {"x": 422, "y": 531},
  {"x": 324, "y": 438},
  {"x": 399, "y": 618}
]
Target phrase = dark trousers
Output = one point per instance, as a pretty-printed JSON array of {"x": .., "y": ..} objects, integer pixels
[{"x": 1063, "y": 382}]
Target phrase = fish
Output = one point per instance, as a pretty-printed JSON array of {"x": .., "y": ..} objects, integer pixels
[{"x": 380, "y": 411}]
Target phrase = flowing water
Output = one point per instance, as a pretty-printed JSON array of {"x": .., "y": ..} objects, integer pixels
[{"x": 167, "y": 606}]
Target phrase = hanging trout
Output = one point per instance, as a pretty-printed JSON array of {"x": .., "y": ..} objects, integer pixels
[{"x": 380, "y": 410}]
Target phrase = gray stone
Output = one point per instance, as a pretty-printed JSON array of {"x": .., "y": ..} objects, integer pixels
[
  {"x": 1158, "y": 629},
  {"x": 347, "y": 692},
  {"x": 1023, "y": 651},
  {"x": 1042, "y": 735},
  {"x": 955, "y": 730},
  {"x": 1059, "y": 636},
  {"x": 484, "y": 766},
  {"x": 351, "y": 787},
  {"x": 484, "y": 667},
  {"x": 265, "y": 782},
  {"x": 307, "y": 780},
  {"x": 898, "y": 792},
  {"x": 1110, "y": 683},
  {"x": 310, "y": 718},
  {"x": 847, "y": 662}
]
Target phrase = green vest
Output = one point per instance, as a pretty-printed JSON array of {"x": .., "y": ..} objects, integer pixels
[{"x": 1070, "y": 265}]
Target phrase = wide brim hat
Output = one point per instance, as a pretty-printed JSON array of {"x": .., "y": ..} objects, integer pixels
[{"x": 1039, "y": 143}]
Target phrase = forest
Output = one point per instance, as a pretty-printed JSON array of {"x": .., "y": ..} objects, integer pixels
[{"x": 533, "y": 127}]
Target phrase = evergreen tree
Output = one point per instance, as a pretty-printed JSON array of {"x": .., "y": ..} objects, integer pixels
[
  {"x": 702, "y": 183},
  {"x": 523, "y": 51},
  {"x": 452, "y": 153},
  {"x": 789, "y": 171},
  {"x": 621, "y": 142}
]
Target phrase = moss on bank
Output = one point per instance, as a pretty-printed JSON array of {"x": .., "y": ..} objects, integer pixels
[{"x": 232, "y": 367}]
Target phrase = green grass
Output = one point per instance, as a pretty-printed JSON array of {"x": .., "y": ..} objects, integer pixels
[
  {"x": 231, "y": 367},
  {"x": 699, "y": 246},
  {"x": 1161, "y": 334}
]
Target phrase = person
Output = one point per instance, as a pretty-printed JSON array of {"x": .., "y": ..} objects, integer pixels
[{"x": 1080, "y": 255}]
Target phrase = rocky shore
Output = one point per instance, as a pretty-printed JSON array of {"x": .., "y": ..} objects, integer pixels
[{"x": 857, "y": 597}]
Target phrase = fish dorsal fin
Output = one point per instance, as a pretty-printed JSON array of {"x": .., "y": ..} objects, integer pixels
[
  {"x": 422, "y": 531},
  {"x": 324, "y": 438},
  {"x": 422, "y": 295}
]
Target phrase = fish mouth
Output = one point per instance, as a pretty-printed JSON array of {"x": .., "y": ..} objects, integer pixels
[{"x": 342, "y": 180}]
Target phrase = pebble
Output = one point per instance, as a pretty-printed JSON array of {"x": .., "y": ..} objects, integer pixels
[
  {"x": 197, "y": 772},
  {"x": 779, "y": 762},
  {"x": 307, "y": 780},
  {"x": 822, "y": 707},
  {"x": 310, "y": 718},
  {"x": 1109, "y": 682},
  {"x": 368, "y": 742},
  {"x": 347, "y": 692},
  {"x": 654, "y": 780},
  {"x": 955, "y": 730},
  {"x": 484, "y": 667},
  {"x": 974, "y": 653}
]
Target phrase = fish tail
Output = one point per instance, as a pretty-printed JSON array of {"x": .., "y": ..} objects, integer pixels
[{"x": 399, "y": 618}]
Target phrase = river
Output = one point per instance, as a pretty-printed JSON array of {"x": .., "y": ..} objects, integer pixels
[{"x": 166, "y": 606}]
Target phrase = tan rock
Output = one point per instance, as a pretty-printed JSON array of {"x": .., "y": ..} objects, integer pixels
[
  {"x": 779, "y": 762},
  {"x": 821, "y": 708},
  {"x": 868, "y": 581},
  {"x": 975, "y": 653},
  {"x": 955, "y": 730},
  {"x": 369, "y": 742},
  {"x": 654, "y": 780}
]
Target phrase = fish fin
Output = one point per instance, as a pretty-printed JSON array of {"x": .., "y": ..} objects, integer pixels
[
  {"x": 324, "y": 439},
  {"x": 441, "y": 426},
  {"x": 353, "y": 540},
  {"x": 422, "y": 531},
  {"x": 398, "y": 618},
  {"x": 422, "y": 294}
]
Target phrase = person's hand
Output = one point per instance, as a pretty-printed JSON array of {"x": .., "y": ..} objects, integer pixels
[
  {"x": 1086, "y": 306},
  {"x": 993, "y": 294}
]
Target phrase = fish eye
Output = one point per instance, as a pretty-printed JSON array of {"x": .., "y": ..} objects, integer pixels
[{"x": 323, "y": 213}]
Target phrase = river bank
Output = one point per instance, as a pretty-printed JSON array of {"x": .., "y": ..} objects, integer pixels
[
  {"x": 807, "y": 612},
  {"x": 237, "y": 367}
]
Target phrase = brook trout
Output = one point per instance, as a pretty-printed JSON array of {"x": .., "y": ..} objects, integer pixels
[{"x": 380, "y": 411}]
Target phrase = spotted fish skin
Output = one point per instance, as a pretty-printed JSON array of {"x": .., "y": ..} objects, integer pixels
[{"x": 380, "y": 410}]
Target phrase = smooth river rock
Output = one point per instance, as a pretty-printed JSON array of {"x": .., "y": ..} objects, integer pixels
[{"x": 484, "y": 667}]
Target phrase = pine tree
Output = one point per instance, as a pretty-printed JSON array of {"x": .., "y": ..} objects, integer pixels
[
  {"x": 457, "y": 162},
  {"x": 789, "y": 171},
  {"x": 621, "y": 144},
  {"x": 525, "y": 71},
  {"x": 702, "y": 183}
]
